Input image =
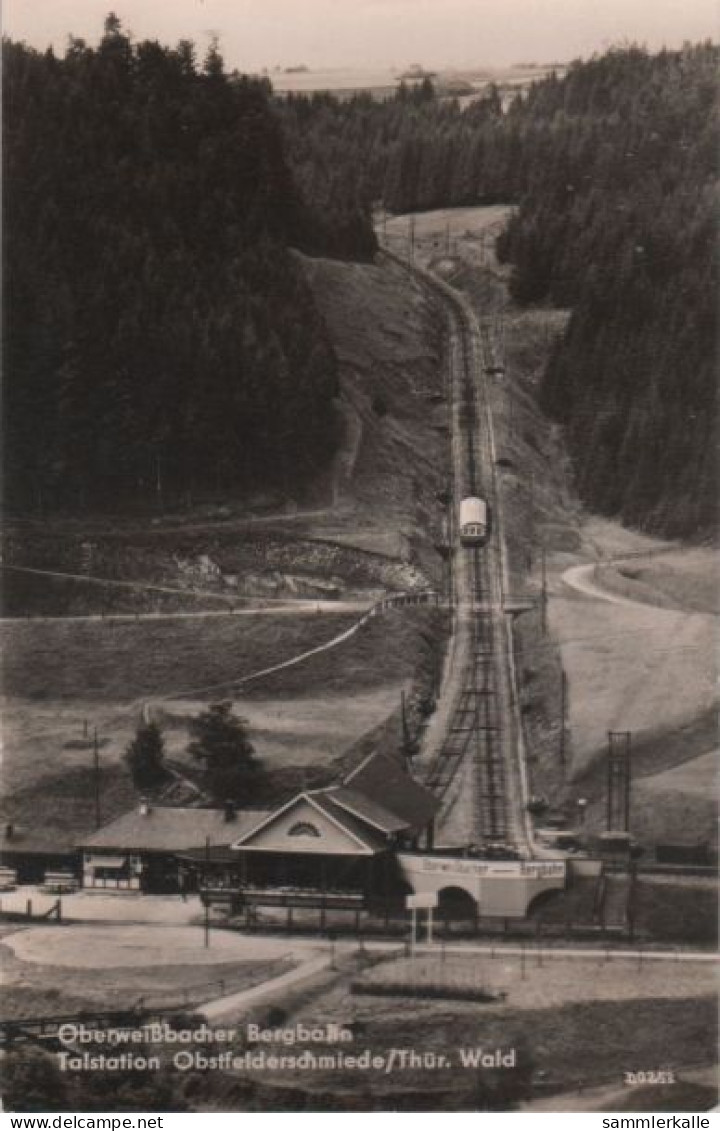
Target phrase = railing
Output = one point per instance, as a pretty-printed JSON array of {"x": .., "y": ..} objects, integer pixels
[
  {"x": 54, "y": 911},
  {"x": 275, "y": 897},
  {"x": 402, "y": 600}
]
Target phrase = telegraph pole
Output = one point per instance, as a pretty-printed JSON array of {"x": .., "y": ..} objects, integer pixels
[
  {"x": 158, "y": 481},
  {"x": 618, "y": 783},
  {"x": 531, "y": 523},
  {"x": 206, "y": 901},
  {"x": 405, "y": 729},
  {"x": 411, "y": 238},
  {"x": 96, "y": 777},
  {"x": 563, "y": 713},
  {"x": 544, "y": 595}
]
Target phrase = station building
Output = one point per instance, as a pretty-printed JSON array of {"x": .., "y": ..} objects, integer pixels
[
  {"x": 358, "y": 847},
  {"x": 332, "y": 844}
]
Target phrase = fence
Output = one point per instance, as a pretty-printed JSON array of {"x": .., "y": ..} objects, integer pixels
[{"x": 52, "y": 912}]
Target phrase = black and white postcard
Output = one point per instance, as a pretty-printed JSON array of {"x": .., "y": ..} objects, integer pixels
[{"x": 359, "y": 572}]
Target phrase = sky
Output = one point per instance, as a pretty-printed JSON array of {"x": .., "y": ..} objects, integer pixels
[{"x": 376, "y": 33}]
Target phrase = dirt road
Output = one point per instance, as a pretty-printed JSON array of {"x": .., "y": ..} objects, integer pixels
[
  {"x": 250, "y": 605},
  {"x": 581, "y": 578}
]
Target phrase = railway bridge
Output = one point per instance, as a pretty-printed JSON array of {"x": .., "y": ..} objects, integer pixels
[{"x": 503, "y": 888}]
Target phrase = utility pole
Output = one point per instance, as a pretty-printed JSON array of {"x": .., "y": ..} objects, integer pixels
[
  {"x": 158, "y": 481},
  {"x": 447, "y": 238},
  {"x": 206, "y": 901},
  {"x": 563, "y": 713},
  {"x": 404, "y": 723},
  {"x": 531, "y": 523},
  {"x": 411, "y": 238},
  {"x": 544, "y": 595},
  {"x": 96, "y": 777},
  {"x": 618, "y": 781}
]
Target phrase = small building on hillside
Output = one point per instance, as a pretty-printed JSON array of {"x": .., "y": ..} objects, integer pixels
[
  {"x": 32, "y": 853},
  {"x": 341, "y": 839},
  {"x": 342, "y": 855},
  {"x": 142, "y": 850}
]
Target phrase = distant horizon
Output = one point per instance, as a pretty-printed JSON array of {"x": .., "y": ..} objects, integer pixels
[
  {"x": 375, "y": 35},
  {"x": 427, "y": 68}
]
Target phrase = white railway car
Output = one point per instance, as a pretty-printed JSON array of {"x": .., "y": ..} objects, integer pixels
[{"x": 473, "y": 521}]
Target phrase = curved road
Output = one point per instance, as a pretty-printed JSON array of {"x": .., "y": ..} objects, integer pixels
[{"x": 581, "y": 578}]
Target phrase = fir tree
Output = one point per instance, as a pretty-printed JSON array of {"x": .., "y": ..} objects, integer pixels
[{"x": 220, "y": 741}]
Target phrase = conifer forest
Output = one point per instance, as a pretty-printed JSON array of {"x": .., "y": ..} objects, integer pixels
[{"x": 160, "y": 334}]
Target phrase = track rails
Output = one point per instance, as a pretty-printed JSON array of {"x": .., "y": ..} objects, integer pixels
[
  {"x": 478, "y": 711},
  {"x": 479, "y": 742}
]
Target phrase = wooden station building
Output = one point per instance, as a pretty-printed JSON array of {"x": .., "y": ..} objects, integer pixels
[{"x": 332, "y": 847}]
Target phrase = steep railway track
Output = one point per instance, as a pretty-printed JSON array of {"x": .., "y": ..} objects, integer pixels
[
  {"x": 478, "y": 709},
  {"x": 475, "y": 751}
]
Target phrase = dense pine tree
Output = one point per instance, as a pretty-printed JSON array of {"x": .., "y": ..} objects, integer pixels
[
  {"x": 145, "y": 757},
  {"x": 231, "y": 769},
  {"x": 160, "y": 339},
  {"x": 619, "y": 225},
  {"x": 613, "y": 170}
]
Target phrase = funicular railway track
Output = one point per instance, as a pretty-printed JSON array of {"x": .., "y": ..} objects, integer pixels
[
  {"x": 477, "y": 751},
  {"x": 477, "y": 710}
]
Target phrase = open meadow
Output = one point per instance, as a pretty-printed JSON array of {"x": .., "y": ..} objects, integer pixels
[
  {"x": 569, "y": 1024},
  {"x": 58, "y": 969},
  {"x": 637, "y": 638}
]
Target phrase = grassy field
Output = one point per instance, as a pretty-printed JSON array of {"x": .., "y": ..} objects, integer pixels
[
  {"x": 31, "y": 990},
  {"x": 382, "y": 509},
  {"x": 680, "y": 804},
  {"x": 546, "y": 983},
  {"x": 684, "y": 911},
  {"x": 646, "y": 668},
  {"x": 684, "y": 579},
  {"x": 570, "y": 1042},
  {"x": 632, "y": 667},
  {"x": 302, "y": 718},
  {"x": 388, "y": 342},
  {"x": 59, "y": 674},
  {"x": 124, "y": 661},
  {"x": 571, "y": 1023},
  {"x": 60, "y": 799},
  {"x": 465, "y": 234}
]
